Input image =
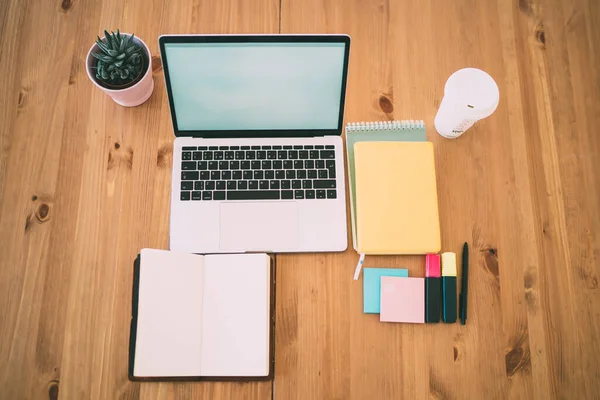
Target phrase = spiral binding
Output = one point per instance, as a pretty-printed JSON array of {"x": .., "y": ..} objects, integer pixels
[{"x": 384, "y": 125}]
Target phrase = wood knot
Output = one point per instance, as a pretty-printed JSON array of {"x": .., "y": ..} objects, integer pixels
[
  {"x": 65, "y": 5},
  {"x": 117, "y": 146},
  {"x": 490, "y": 259},
  {"x": 516, "y": 359},
  {"x": 163, "y": 157},
  {"x": 34, "y": 198},
  {"x": 540, "y": 35},
  {"x": 42, "y": 212},
  {"x": 588, "y": 277},
  {"x": 156, "y": 64},
  {"x": 385, "y": 104},
  {"x": 27, "y": 222},
  {"x": 22, "y": 100},
  {"x": 53, "y": 390}
]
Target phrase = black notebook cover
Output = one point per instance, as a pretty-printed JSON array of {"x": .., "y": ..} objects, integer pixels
[{"x": 133, "y": 334}]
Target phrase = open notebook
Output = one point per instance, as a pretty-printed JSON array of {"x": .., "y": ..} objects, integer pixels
[{"x": 201, "y": 317}]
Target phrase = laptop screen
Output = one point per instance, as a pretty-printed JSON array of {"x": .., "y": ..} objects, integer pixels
[{"x": 250, "y": 86}]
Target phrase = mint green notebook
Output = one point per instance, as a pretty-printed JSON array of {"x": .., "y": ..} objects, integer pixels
[{"x": 386, "y": 131}]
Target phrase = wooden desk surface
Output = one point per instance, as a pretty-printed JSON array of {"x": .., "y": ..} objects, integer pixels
[{"x": 85, "y": 184}]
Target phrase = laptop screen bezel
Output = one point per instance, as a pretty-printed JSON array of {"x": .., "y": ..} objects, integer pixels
[{"x": 166, "y": 39}]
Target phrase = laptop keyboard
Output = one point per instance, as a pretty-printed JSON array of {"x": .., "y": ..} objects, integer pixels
[{"x": 258, "y": 172}]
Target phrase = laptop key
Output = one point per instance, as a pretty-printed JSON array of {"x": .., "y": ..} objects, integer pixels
[
  {"x": 262, "y": 185},
  {"x": 266, "y": 165},
  {"x": 245, "y": 164},
  {"x": 237, "y": 174},
  {"x": 245, "y": 147},
  {"x": 186, "y": 155},
  {"x": 223, "y": 147},
  {"x": 322, "y": 174},
  {"x": 309, "y": 164},
  {"x": 293, "y": 154},
  {"x": 255, "y": 147},
  {"x": 189, "y": 175},
  {"x": 213, "y": 147},
  {"x": 271, "y": 155},
  {"x": 197, "y": 155},
  {"x": 298, "y": 194},
  {"x": 215, "y": 175},
  {"x": 327, "y": 154},
  {"x": 298, "y": 147},
  {"x": 218, "y": 155},
  {"x": 320, "y": 164},
  {"x": 247, "y": 175},
  {"x": 287, "y": 194},
  {"x": 219, "y": 195},
  {"x": 253, "y": 185},
  {"x": 310, "y": 194},
  {"x": 312, "y": 174},
  {"x": 331, "y": 172},
  {"x": 188, "y": 148},
  {"x": 331, "y": 194},
  {"x": 255, "y": 165},
  {"x": 280, "y": 174},
  {"x": 202, "y": 148},
  {"x": 269, "y": 174},
  {"x": 207, "y": 155},
  {"x": 223, "y": 165},
  {"x": 307, "y": 184},
  {"x": 185, "y": 196},
  {"x": 196, "y": 195},
  {"x": 298, "y": 164},
  {"x": 206, "y": 195},
  {"x": 202, "y": 165},
  {"x": 234, "y": 147},
  {"x": 276, "y": 147},
  {"x": 320, "y": 194},
  {"x": 301, "y": 174},
  {"x": 287, "y": 147},
  {"x": 266, "y": 147},
  {"x": 258, "y": 175},
  {"x": 329, "y": 146},
  {"x": 239, "y": 155},
  {"x": 282, "y": 155},
  {"x": 325, "y": 184},
  {"x": 231, "y": 185},
  {"x": 198, "y": 185},
  {"x": 273, "y": 184},
  {"x": 209, "y": 185},
  {"x": 330, "y": 164},
  {"x": 250, "y": 155},
  {"x": 220, "y": 185},
  {"x": 277, "y": 164},
  {"x": 188, "y": 165},
  {"x": 205, "y": 175},
  {"x": 234, "y": 165},
  {"x": 254, "y": 195},
  {"x": 288, "y": 164},
  {"x": 188, "y": 185},
  {"x": 242, "y": 185},
  {"x": 286, "y": 184},
  {"x": 229, "y": 155},
  {"x": 319, "y": 147},
  {"x": 303, "y": 154},
  {"x": 226, "y": 175},
  {"x": 314, "y": 154},
  {"x": 309, "y": 146},
  {"x": 212, "y": 165},
  {"x": 261, "y": 155},
  {"x": 296, "y": 184},
  {"x": 290, "y": 174}
]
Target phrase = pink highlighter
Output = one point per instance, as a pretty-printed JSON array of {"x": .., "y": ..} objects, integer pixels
[{"x": 433, "y": 288}]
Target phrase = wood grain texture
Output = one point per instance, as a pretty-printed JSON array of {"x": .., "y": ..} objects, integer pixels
[{"x": 85, "y": 184}]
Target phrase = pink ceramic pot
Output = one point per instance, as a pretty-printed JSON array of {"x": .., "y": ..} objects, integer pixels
[{"x": 133, "y": 95}]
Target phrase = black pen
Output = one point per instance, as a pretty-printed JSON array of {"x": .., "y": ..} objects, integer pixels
[{"x": 464, "y": 285}]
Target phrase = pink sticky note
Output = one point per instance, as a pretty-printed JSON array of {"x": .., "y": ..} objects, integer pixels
[{"x": 402, "y": 299}]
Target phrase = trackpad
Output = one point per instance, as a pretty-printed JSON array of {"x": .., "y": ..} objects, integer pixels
[{"x": 258, "y": 226}]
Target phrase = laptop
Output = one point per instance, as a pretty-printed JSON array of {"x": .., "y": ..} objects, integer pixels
[{"x": 258, "y": 157}]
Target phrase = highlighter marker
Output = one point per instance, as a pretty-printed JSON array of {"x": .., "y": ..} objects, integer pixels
[
  {"x": 433, "y": 288},
  {"x": 449, "y": 287}
]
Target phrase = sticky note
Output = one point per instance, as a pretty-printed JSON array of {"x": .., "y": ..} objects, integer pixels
[
  {"x": 372, "y": 285},
  {"x": 402, "y": 300}
]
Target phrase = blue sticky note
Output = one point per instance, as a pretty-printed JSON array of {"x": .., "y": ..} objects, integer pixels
[{"x": 372, "y": 286}]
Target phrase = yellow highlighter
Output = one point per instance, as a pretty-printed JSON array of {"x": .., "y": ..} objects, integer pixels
[{"x": 449, "y": 287}]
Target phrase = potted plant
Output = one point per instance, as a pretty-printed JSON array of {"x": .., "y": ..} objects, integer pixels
[{"x": 120, "y": 64}]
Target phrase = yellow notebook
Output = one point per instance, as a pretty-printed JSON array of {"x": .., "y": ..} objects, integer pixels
[{"x": 396, "y": 198}]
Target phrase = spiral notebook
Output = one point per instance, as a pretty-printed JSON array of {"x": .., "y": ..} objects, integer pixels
[{"x": 384, "y": 131}]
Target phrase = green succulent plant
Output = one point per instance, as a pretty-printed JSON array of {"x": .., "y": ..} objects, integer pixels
[{"x": 120, "y": 61}]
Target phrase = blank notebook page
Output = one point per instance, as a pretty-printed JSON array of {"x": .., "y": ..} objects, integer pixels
[
  {"x": 169, "y": 325},
  {"x": 236, "y": 319}
]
